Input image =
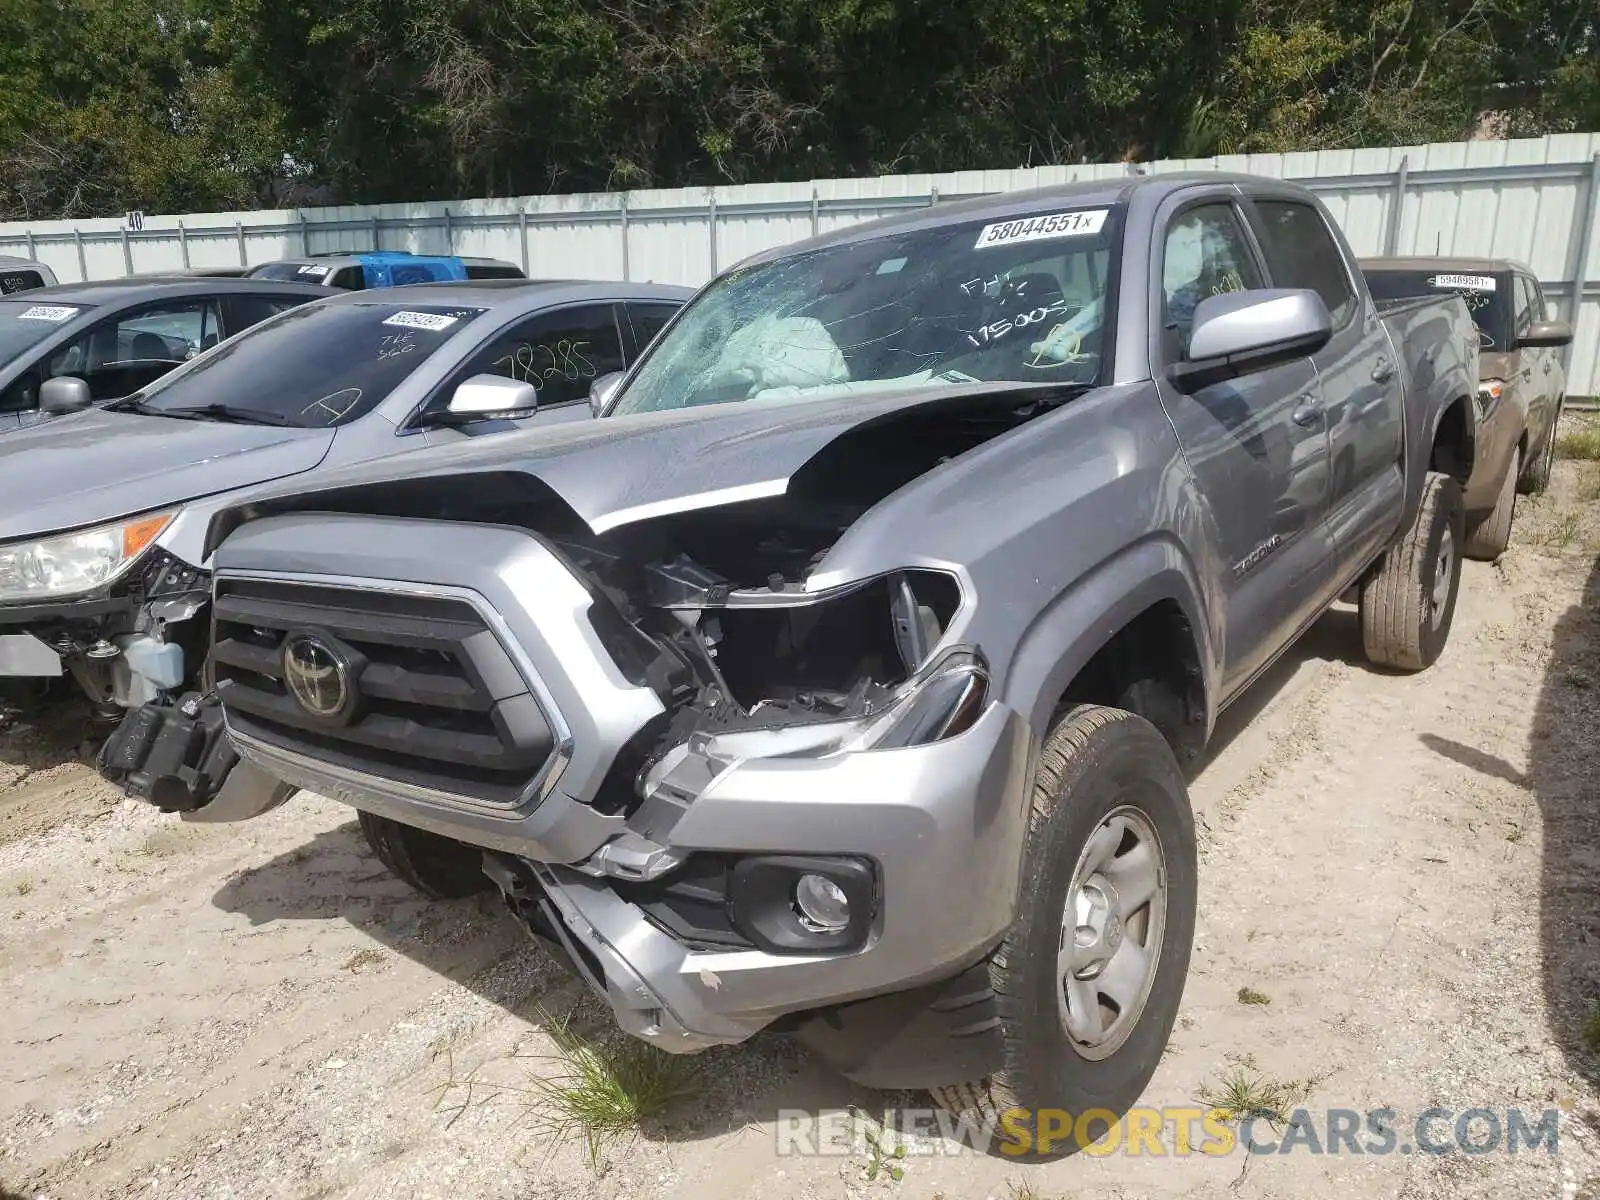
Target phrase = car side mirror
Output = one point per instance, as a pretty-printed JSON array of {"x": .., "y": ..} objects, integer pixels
[
  {"x": 488, "y": 397},
  {"x": 601, "y": 391},
  {"x": 1239, "y": 333},
  {"x": 64, "y": 394},
  {"x": 1545, "y": 333}
]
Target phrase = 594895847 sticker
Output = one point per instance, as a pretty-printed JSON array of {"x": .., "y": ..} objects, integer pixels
[{"x": 1081, "y": 223}]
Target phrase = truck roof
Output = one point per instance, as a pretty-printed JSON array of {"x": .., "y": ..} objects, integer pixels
[
  {"x": 1018, "y": 203},
  {"x": 1449, "y": 263}
]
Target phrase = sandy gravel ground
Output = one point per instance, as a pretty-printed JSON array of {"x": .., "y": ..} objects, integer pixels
[{"x": 1406, "y": 869}]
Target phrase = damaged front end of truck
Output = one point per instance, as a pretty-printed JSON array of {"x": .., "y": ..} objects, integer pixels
[{"x": 728, "y": 780}]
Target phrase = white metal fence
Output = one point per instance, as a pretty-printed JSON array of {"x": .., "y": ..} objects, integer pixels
[{"x": 1533, "y": 199}]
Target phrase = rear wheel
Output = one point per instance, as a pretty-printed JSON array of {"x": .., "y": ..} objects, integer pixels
[
  {"x": 1088, "y": 979},
  {"x": 1409, "y": 602},
  {"x": 438, "y": 867},
  {"x": 1487, "y": 539}
]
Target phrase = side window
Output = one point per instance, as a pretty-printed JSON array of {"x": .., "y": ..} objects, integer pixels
[
  {"x": 1301, "y": 253},
  {"x": 1526, "y": 314},
  {"x": 561, "y": 353},
  {"x": 124, "y": 353},
  {"x": 1541, "y": 307},
  {"x": 1205, "y": 254},
  {"x": 245, "y": 311},
  {"x": 19, "y": 281},
  {"x": 647, "y": 321},
  {"x": 352, "y": 279}
]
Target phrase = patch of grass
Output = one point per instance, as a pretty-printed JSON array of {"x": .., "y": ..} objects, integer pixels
[
  {"x": 1589, "y": 484},
  {"x": 1591, "y": 1030},
  {"x": 610, "y": 1089},
  {"x": 1515, "y": 835},
  {"x": 882, "y": 1158},
  {"x": 1561, "y": 533},
  {"x": 1583, "y": 444},
  {"x": 1025, "y": 1191},
  {"x": 1249, "y": 995},
  {"x": 1245, "y": 1092},
  {"x": 23, "y": 889}
]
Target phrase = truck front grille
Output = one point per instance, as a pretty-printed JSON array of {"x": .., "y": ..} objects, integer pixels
[{"x": 434, "y": 699}]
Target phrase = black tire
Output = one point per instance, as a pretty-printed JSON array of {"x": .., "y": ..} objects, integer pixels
[
  {"x": 1537, "y": 476},
  {"x": 1487, "y": 539},
  {"x": 438, "y": 867},
  {"x": 1400, "y": 624},
  {"x": 1097, "y": 762}
]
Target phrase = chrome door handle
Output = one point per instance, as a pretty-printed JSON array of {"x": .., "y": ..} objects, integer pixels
[
  {"x": 1308, "y": 412},
  {"x": 1383, "y": 372}
]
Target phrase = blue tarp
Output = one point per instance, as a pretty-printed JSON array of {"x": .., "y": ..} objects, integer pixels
[{"x": 383, "y": 269}]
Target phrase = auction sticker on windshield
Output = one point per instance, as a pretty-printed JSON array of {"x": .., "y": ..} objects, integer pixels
[
  {"x": 1083, "y": 223},
  {"x": 421, "y": 320},
  {"x": 1473, "y": 283},
  {"x": 47, "y": 312}
]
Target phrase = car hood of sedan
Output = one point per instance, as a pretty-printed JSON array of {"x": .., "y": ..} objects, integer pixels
[{"x": 97, "y": 466}]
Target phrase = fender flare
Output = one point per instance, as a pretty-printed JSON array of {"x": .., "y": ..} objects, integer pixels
[{"x": 1063, "y": 638}]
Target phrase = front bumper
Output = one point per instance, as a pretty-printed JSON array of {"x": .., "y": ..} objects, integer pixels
[{"x": 942, "y": 824}]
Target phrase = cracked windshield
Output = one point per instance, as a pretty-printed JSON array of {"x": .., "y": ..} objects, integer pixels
[
  {"x": 1020, "y": 300},
  {"x": 313, "y": 367}
]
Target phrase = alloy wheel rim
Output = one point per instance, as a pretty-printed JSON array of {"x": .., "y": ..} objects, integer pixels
[{"x": 1112, "y": 926}]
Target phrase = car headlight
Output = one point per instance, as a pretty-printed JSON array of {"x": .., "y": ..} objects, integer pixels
[{"x": 70, "y": 563}]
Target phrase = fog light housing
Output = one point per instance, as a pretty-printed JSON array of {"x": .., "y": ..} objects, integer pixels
[
  {"x": 794, "y": 904},
  {"x": 821, "y": 904}
]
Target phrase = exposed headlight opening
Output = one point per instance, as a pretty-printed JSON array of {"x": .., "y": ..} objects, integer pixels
[{"x": 68, "y": 564}]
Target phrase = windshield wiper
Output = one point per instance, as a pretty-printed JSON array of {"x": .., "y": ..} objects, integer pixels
[{"x": 225, "y": 412}]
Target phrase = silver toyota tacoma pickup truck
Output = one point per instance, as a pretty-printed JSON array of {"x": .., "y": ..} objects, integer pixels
[{"x": 844, "y": 678}]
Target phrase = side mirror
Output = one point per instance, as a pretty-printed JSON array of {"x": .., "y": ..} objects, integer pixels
[
  {"x": 1238, "y": 333},
  {"x": 64, "y": 394},
  {"x": 601, "y": 391},
  {"x": 487, "y": 397},
  {"x": 1546, "y": 333}
]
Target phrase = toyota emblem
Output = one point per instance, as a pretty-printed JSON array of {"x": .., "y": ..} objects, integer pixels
[{"x": 317, "y": 676}]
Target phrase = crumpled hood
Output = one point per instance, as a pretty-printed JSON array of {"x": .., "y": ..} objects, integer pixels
[
  {"x": 96, "y": 466},
  {"x": 623, "y": 469}
]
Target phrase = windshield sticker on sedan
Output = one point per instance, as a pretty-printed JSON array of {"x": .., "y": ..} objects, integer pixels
[
  {"x": 314, "y": 269},
  {"x": 1082, "y": 223},
  {"x": 1473, "y": 283},
  {"x": 47, "y": 312},
  {"x": 421, "y": 320}
]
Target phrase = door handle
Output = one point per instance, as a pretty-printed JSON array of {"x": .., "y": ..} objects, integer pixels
[
  {"x": 1307, "y": 412},
  {"x": 1383, "y": 372}
]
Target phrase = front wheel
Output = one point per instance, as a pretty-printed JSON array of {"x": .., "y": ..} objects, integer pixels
[
  {"x": 438, "y": 867},
  {"x": 1487, "y": 539},
  {"x": 1088, "y": 979},
  {"x": 1537, "y": 477}
]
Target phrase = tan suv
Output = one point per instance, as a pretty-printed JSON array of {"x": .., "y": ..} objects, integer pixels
[{"x": 1523, "y": 378}]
